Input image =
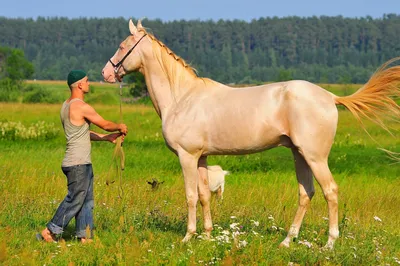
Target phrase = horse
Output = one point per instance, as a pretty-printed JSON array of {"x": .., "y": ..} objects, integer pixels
[{"x": 202, "y": 117}]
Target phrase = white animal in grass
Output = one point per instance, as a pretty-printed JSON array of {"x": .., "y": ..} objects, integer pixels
[{"x": 216, "y": 179}]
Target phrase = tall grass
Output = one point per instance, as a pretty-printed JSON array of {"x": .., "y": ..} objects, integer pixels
[{"x": 145, "y": 227}]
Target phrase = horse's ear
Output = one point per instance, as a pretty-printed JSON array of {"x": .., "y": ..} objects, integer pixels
[
  {"x": 139, "y": 24},
  {"x": 132, "y": 27}
]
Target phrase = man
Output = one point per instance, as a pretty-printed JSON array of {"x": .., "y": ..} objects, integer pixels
[{"x": 76, "y": 116}]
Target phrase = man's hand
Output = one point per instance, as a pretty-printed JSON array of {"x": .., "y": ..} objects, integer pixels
[
  {"x": 123, "y": 129},
  {"x": 113, "y": 137}
]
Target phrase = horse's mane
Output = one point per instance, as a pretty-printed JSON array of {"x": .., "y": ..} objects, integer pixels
[
  {"x": 173, "y": 65},
  {"x": 173, "y": 55}
]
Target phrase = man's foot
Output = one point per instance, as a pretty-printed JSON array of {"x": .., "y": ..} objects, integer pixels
[
  {"x": 48, "y": 236},
  {"x": 86, "y": 240}
]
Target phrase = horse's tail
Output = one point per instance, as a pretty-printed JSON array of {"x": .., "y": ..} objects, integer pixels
[{"x": 377, "y": 98}]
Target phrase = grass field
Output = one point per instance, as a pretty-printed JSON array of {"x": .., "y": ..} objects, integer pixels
[{"x": 145, "y": 227}]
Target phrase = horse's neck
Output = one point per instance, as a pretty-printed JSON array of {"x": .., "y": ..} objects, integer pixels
[{"x": 160, "y": 88}]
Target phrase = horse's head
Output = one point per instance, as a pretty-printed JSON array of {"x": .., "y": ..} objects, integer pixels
[{"x": 128, "y": 57}]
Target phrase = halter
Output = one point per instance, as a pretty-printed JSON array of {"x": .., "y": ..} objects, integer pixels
[{"x": 119, "y": 64}]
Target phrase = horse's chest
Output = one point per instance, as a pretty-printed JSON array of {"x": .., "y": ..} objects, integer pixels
[{"x": 183, "y": 135}]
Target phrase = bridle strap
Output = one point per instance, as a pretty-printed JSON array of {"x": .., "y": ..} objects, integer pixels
[{"x": 118, "y": 65}]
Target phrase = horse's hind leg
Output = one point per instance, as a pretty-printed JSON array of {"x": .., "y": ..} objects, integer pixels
[
  {"x": 306, "y": 192},
  {"x": 205, "y": 194},
  {"x": 316, "y": 156},
  {"x": 324, "y": 177}
]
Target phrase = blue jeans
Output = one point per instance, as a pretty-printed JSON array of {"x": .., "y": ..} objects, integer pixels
[{"x": 78, "y": 203}]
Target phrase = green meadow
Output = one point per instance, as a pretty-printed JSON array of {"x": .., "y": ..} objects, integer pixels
[{"x": 136, "y": 225}]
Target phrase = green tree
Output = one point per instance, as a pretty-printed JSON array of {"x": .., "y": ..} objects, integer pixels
[
  {"x": 14, "y": 65},
  {"x": 284, "y": 75},
  {"x": 137, "y": 84},
  {"x": 14, "y": 68}
]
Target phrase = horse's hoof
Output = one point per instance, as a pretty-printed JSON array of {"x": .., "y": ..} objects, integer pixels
[
  {"x": 328, "y": 246},
  {"x": 284, "y": 244},
  {"x": 206, "y": 236},
  {"x": 187, "y": 237}
]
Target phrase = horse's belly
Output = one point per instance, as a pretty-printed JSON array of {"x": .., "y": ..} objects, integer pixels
[{"x": 242, "y": 140}]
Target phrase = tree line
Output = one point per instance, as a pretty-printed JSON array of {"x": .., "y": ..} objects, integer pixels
[{"x": 319, "y": 49}]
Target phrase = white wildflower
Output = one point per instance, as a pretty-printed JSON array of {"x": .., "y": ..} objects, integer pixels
[
  {"x": 242, "y": 244},
  {"x": 225, "y": 232},
  {"x": 234, "y": 226},
  {"x": 235, "y": 234},
  {"x": 256, "y": 223}
]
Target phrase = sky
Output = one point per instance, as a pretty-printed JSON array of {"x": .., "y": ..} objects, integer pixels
[{"x": 169, "y": 10}]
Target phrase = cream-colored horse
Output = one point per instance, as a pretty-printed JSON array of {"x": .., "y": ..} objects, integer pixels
[{"x": 202, "y": 117}]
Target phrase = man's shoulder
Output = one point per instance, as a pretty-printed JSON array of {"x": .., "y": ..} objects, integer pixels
[
  {"x": 78, "y": 104},
  {"x": 80, "y": 108}
]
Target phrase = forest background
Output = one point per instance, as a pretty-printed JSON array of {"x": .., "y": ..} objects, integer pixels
[{"x": 318, "y": 49}]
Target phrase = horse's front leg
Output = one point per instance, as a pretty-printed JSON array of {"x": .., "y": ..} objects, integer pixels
[
  {"x": 205, "y": 195},
  {"x": 191, "y": 176}
]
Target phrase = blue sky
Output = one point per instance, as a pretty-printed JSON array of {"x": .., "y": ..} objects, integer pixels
[{"x": 168, "y": 10}]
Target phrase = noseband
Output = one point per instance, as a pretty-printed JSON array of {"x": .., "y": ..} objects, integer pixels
[{"x": 119, "y": 64}]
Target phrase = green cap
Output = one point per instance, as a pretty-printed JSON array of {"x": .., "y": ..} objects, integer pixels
[{"x": 75, "y": 75}]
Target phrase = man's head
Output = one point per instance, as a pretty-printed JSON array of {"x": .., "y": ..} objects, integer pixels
[{"x": 78, "y": 78}]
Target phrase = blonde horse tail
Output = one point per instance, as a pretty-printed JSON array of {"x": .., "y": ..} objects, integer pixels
[{"x": 376, "y": 100}]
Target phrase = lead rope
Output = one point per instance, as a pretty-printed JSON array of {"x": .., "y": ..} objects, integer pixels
[
  {"x": 119, "y": 155},
  {"x": 119, "y": 159}
]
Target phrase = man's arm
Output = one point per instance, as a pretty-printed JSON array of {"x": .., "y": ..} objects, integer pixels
[
  {"x": 90, "y": 114},
  {"x": 94, "y": 136}
]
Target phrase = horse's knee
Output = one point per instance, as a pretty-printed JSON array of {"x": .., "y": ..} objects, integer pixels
[{"x": 191, "y": 201}]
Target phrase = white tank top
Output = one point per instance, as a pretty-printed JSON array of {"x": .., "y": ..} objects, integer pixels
[{"x": 78, "y": 150}]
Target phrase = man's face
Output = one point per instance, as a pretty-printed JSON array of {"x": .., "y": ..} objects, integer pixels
[{"x": 84, "y": 84}]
